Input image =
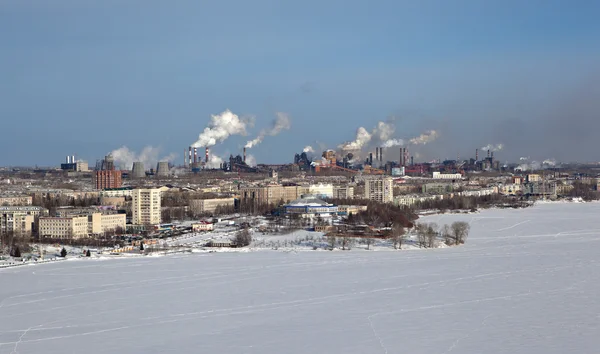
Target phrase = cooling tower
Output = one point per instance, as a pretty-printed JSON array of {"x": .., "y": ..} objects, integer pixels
[
  {"x": 162, "y": 169},
  {"x": 137, "y": 171}
]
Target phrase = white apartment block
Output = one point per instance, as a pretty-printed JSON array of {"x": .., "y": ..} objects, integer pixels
[
  {"x": 202, "y": 206},
  {"x": 146, "y": 206},
  {"x": 19, "y": 219},
  {"x": 22, "y": 200},
  {"x": 343, "y": 192},
  {"x": 380, "y": 189},
  {"x": 453, "y": 176},
  {"x": 70, "y": 227}
]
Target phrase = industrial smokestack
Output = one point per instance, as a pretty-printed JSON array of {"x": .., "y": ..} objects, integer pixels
[
  {"x": 488, "y": 153},
  {"x": 492, "y": 157},
  {"x": 190, "y": 156},
  {"x": 381, "y": 155},
  {"x": 412, "y": 160},
  {"x": 244, "y": 155},
  {"x": 195, "y": 156},
  {"x": 476, "y": 154},
  {"x": 68, "y": 159},
  {"x": 371, "y": 158},
  {"x": 73, "y": 159},
  {"x": 206, "y": 161}
]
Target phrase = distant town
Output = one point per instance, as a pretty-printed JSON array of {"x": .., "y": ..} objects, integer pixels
[{"x": 120, "y": 210}]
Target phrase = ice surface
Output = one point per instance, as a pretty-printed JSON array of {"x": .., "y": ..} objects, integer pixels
[{"x": 527, "y": 281}]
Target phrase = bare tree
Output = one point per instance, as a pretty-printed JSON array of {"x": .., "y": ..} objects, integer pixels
[
  {"x": 368, "y": 241},
  {"x": 243, "y": 238},
  {"x": 398, "y": 235},
  {"x": 421, "y": 230},
  {"x": 460, "y": 231},
  {"x": 331, "y": 240},
  {"x": 446, "y": 233},
  {"x": 431, "y": 233}
]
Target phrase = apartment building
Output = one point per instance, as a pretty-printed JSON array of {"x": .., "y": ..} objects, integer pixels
[
  {"x": 100, "y": 220},
  {"x": 9, "y": 200},
  {"x": 343, "y": 192},
  {"x": 272, "y": 194},
  {"x": 146, "y": 206},
  {"x": 70, "y": 227},
  {"x": 107, "y": 179},
  {"x": 19, "y": 219},
  {"x": 208, "y": 206},
  {"x": 380, "y": 189}
]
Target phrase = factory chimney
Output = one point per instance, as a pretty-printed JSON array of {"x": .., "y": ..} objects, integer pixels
[
  {"x": 68, "y": 159},
  {"x": 184, "y": 158},
  {"x": 381, "y": 155},
  {"x": 371, "y": 158},
  {"x": 244, "y": 155},
  {"x": 190, "y": 156},
  {"x": 206, "y": 161},
  {"x": 73, "y": 159},
  {"x": 488, "y": 153},
  {"x": 492, "y": 157},
  {"x": 412, "y": 160},
  {"x": 476, "y": 154}
]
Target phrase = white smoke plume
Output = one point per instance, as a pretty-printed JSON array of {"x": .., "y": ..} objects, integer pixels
[
  {"x": 221, "y": 127},
  {"x": 282, "y": 122},
  {"x": 425, "y": 138},
  {"x": 250, "y": 160},
  {"x": 362, "y": 138},
  {"x": 529, "y": 166},
  {"x": 492, "y": 147},
  {"x": 524, "y": 159},
  {"x": 308, "y": 149},
  {"x": 549, "y": 162},
  {"x": 384, "y": 131},
  {"x": 393, "y": 142},
  {"x": 149, "y": 156},
  {"x": 214, "y": 162}
]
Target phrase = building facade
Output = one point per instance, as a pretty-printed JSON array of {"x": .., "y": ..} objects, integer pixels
[
  {"x": 22, "y": 200},
  {"x": 450, "y": 176},
  {"x": 146, "y": 206},
  {"x": 272, "y": 194},
  {"x": 70, "y": 227},
  {"x": 343, "y": 192},
  {"x": 208, "y": 206},
  {"x": 19, "y": 219},
  {"x": 310, "y": 206},
  {"x": 104, "y": 179},
  {"x": 380, "y": 189}
]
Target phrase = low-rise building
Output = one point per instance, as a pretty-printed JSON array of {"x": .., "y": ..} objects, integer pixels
[
  {"x": 209, "y": 206},
  {"x": 410, "y": 200},
  {"x": 310, "y": 206},
  {"x": 343, "y": 192},
  {"x": 511, "y": 189},
  {"x": 437, "y": 188},
  {"x": 348, "y": 209},
  {"x": 202, "y": 226},
  {"x": 117, "y": 192},
  {"x": 70, "y": 227}
]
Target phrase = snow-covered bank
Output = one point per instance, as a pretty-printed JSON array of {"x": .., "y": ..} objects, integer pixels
[{"x": 525, "y": 282}]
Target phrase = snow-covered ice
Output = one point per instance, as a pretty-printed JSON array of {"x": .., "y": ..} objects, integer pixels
[{"x": 527, "y": 281}]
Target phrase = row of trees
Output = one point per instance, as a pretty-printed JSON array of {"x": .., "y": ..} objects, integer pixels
[{"x": 454, "y": 234}]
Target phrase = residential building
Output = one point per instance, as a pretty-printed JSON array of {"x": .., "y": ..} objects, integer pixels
[
  {"x": 146, "y": 206},
  {"x": 70, "y": 227},
  {"x": 534, "y": 178},
  {"x": 437, "y": 188},
  {"x": 409, "y": 200},
  {"x": 19, "y": 219},
  {"x": 272, "y": 194},
  {"x": 16, "y": 200},
  {"x": 104, "y": 179},
  {"x": 208, "y": 206},
  {"x": 310, "y": 206},
  {"x": 117, "y": 192},
  {"x": 511, "y": 189},
  {"x": 321, "y": 190},
  {"x": 451, "y": 176},
  {"x": 343, "y": 192},
  {"x": 380, "y": 189},
  {"x": 100, "y": 219}
]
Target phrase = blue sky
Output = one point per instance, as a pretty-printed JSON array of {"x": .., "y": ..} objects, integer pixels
[{"x": 86, "y": 77}]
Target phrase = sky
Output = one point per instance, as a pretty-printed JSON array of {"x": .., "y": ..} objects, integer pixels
[{"x": 87, "y": 77}]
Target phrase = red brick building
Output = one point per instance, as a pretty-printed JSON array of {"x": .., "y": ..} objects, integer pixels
[{"x": 107, "y": 179}]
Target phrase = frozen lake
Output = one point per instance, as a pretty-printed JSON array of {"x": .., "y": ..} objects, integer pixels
[{"x": 527, "y": 281}]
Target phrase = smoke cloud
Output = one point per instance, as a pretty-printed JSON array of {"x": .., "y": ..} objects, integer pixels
[
  {"x": 362, "y": 138},
  {"x": 282, "y": 122},
  {"x": 308, "y": 149},
  {"x": 493, "y": 148},
  {"x": 425, "y": 138},
  {"x": 221, "y": 127},
  {"x": 393, "y": 142},
  {"x": 250, "y": 160},
  {"x": 149, "y": 156},
  {"x": 214, "y": 162}
]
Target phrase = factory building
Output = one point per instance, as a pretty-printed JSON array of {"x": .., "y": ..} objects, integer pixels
[
  {"x": 208, "y": 206},
  {"x": 380, "y": 189},
  {"x": 146, "y": 206},
  {"x": 73, "y": 165}
]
